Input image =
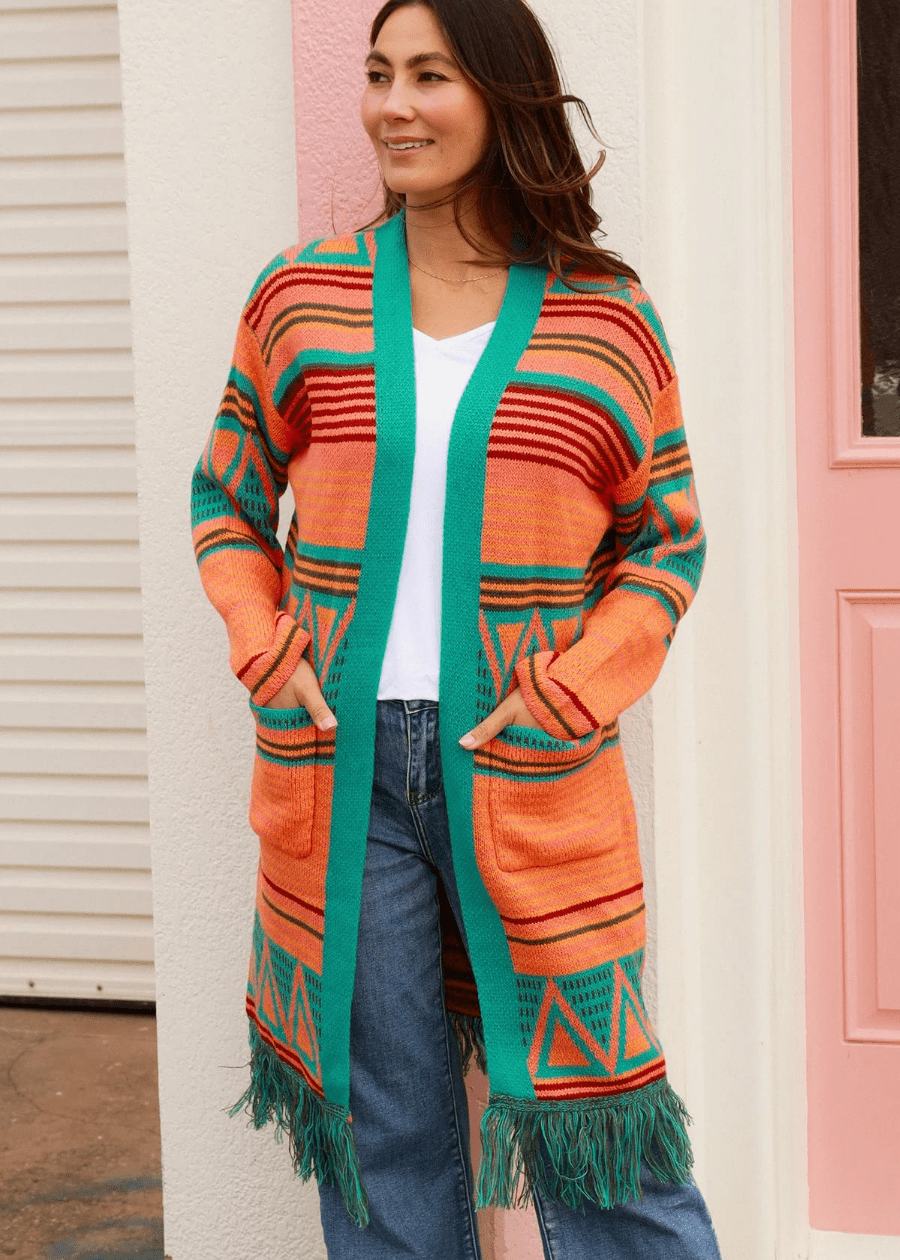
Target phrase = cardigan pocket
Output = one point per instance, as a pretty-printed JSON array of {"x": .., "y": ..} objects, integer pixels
[
  {"x": 282, "y": 793},
  {"x": 552, "y": 801}
]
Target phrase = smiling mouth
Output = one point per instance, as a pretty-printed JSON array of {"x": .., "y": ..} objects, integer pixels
[{"x": 403, "y": 145}]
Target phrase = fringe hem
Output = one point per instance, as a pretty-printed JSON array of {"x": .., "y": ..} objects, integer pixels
[
  {"x": 321, "y": 1141},
  {"x": 594, "y": 1147},
  {"x": 469, "y": 1033}
]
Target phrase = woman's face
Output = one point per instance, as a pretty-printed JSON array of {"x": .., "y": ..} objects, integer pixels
[{"x": 428, "y": 124}]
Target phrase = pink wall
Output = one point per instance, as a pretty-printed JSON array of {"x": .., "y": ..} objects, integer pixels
[{"x": 337, "y": 178}]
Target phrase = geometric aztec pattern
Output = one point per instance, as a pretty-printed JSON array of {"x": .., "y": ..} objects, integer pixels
[
  {"x": 287, "y": 999},
  {"x": 590, "y": 1024}
]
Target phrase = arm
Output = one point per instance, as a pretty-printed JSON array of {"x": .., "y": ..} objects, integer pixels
[
  {"x": 236, "y": 486},
  {"x": 659, "y": 551}
]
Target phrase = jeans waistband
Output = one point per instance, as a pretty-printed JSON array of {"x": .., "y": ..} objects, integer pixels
[{"x": 412, "y": 706}]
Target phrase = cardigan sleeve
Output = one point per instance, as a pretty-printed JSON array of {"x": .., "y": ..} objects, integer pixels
[
  {"x": 659, "y": 552},
  {"x": 237, "y": 483}
]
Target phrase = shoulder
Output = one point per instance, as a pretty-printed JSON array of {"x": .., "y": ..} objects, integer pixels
[
  {"x": 308, "y": 264},
  {"x": 634, "y": 318}
]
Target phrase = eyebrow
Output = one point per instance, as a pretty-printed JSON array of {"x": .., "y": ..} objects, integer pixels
[{"x": 411, "y": 64}]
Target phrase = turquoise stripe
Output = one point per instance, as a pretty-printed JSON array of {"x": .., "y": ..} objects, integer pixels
[
  {"x": 459, "y": 681},
  {"x": 351, "y": 555},
  {"x": 650, "y": 314},
  {"x": 355, "y": 709}
]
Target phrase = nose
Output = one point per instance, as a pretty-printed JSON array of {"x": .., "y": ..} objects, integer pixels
[{"x": 397, "y": 103}]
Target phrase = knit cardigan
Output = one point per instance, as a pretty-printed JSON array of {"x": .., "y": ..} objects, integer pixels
[{"x": 572, "y": 545}]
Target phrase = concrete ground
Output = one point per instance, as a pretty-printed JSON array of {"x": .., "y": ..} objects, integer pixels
[{"x": 80, "y": 1174}]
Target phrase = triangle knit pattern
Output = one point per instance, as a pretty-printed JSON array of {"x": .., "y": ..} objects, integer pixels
[{"x": 573, "y": 545}]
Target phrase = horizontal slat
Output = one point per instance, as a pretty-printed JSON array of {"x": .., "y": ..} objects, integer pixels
[
  {"x": 61, "y": 134},
  {"x": 16, "y": 6},
  {"x": 60, "y": 84},
  {"x": 27, "y": 239},
  {"x": 76, "y": 457},
  {"x": 36, "y": 936},
  {"x": 89, "y": 854},
  {"x": 57, "y": 977},
  {"x": 72, "y": 575},
  {"x": 52, "y": 280},
  {"x": 86, "y": 621},
  {"x": 86, "y": 714},
  {"x": 74, "y": 761},
  {"x": 77, "y": 416},
  {"x": 34, "y": 377},
  {"x": 64, "y": 897},
  {"x": 110, "y": 664},
  {"x": 90, "y": 806},
  {"x": 47, "y": 35},
  {"x": 47, "y": 331},
  {"x": 98, "y": 181},
  {"x": 84, "y": 526},
  {"x": 30, "y": 478}
]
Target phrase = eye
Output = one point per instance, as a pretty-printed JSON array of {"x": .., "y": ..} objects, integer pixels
[
  {"x": 376, "y": 76},
  {"x": 433, "y": 75}
]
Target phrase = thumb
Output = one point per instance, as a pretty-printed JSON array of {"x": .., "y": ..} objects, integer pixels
[
  {"x": 311, "y": 697},
  {"x": 320, "y": 713},
  {"x": 491, "y": 726}
]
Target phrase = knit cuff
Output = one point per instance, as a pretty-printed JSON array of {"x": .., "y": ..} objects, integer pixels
[
  {"x": 264, "y": 675},
  {"x": 555, "y": 707}
]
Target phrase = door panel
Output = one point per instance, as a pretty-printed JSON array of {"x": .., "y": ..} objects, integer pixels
[{"x": 848, "y": 470}]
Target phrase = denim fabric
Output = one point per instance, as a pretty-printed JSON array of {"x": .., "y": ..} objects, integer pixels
[{"x": 407, "y": 1096}]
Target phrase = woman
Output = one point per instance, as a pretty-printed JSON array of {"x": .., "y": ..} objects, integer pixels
[{"x": 478, "y": 415}]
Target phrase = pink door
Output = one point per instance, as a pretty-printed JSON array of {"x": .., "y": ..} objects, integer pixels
[{"x": 846, "y": 143}]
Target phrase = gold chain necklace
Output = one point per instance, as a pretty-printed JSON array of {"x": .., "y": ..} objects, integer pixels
[{"x": 469, "y": 280}]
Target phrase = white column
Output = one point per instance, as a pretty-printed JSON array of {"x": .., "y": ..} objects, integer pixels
[
  {"x": 209, "y": 148},
  {"x": 717, "y": 262}
]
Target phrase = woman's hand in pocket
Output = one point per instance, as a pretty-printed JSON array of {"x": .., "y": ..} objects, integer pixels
[
  {"x": 302, "y": 688},
  {"x": 513, "y": 711}
]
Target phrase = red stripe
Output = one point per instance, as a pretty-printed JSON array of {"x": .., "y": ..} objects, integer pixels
[
  {"x": 292, "y": 272},
  {"x": 574, "y": 1092},
  {"x": 587, "y": 416},
  {"x": 582, "y": 905},
  {"x": 583, "y": 425},
  {"x": 282, "y": 892},
  {"x": 582, "y": 709},
  {"x": 252, "y": 661},
  {"x": 625, "y": 317},
  {"x": 549, "y": 463},
  {"x": 598, "y": 456},
  {"x": 628, "y": 1080}
]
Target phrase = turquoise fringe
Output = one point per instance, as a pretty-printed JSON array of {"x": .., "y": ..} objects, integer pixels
[
  {"x": 469, "y": 1033},
  {"x": 321, "y": 1140},
  {"x": 594, "y": 1147}
]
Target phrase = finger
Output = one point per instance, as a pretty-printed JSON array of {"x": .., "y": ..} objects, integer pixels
[
  {"x": 319, "y": 711},
  {"x": 487, "y": 729}
]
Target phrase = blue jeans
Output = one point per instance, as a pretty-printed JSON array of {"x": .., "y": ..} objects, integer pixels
[{"x": 407, "y": 1097}]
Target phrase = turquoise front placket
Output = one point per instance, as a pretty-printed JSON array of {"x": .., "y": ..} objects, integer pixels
[{"x": 395, "y": 395}]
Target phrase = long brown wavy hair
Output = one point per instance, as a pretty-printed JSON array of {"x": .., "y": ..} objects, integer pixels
[{"x": 531, "y": 189}]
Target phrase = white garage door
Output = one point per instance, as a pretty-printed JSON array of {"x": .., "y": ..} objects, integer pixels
[{"x": 75, "y": 912}]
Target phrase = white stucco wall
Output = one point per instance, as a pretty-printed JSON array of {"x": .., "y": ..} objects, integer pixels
[
  {"x": 209, "y": 147},
  {"x": 687, "y": 99}
]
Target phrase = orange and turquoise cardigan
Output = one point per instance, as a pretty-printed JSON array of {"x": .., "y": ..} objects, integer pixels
[{"x": 572, "y": 546}]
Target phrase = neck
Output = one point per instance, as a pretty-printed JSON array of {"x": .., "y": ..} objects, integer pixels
[{"x": 435, "y": 242}]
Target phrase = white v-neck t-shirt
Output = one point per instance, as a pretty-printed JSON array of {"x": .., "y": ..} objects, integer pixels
[{"x": 412, "y": 658}]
